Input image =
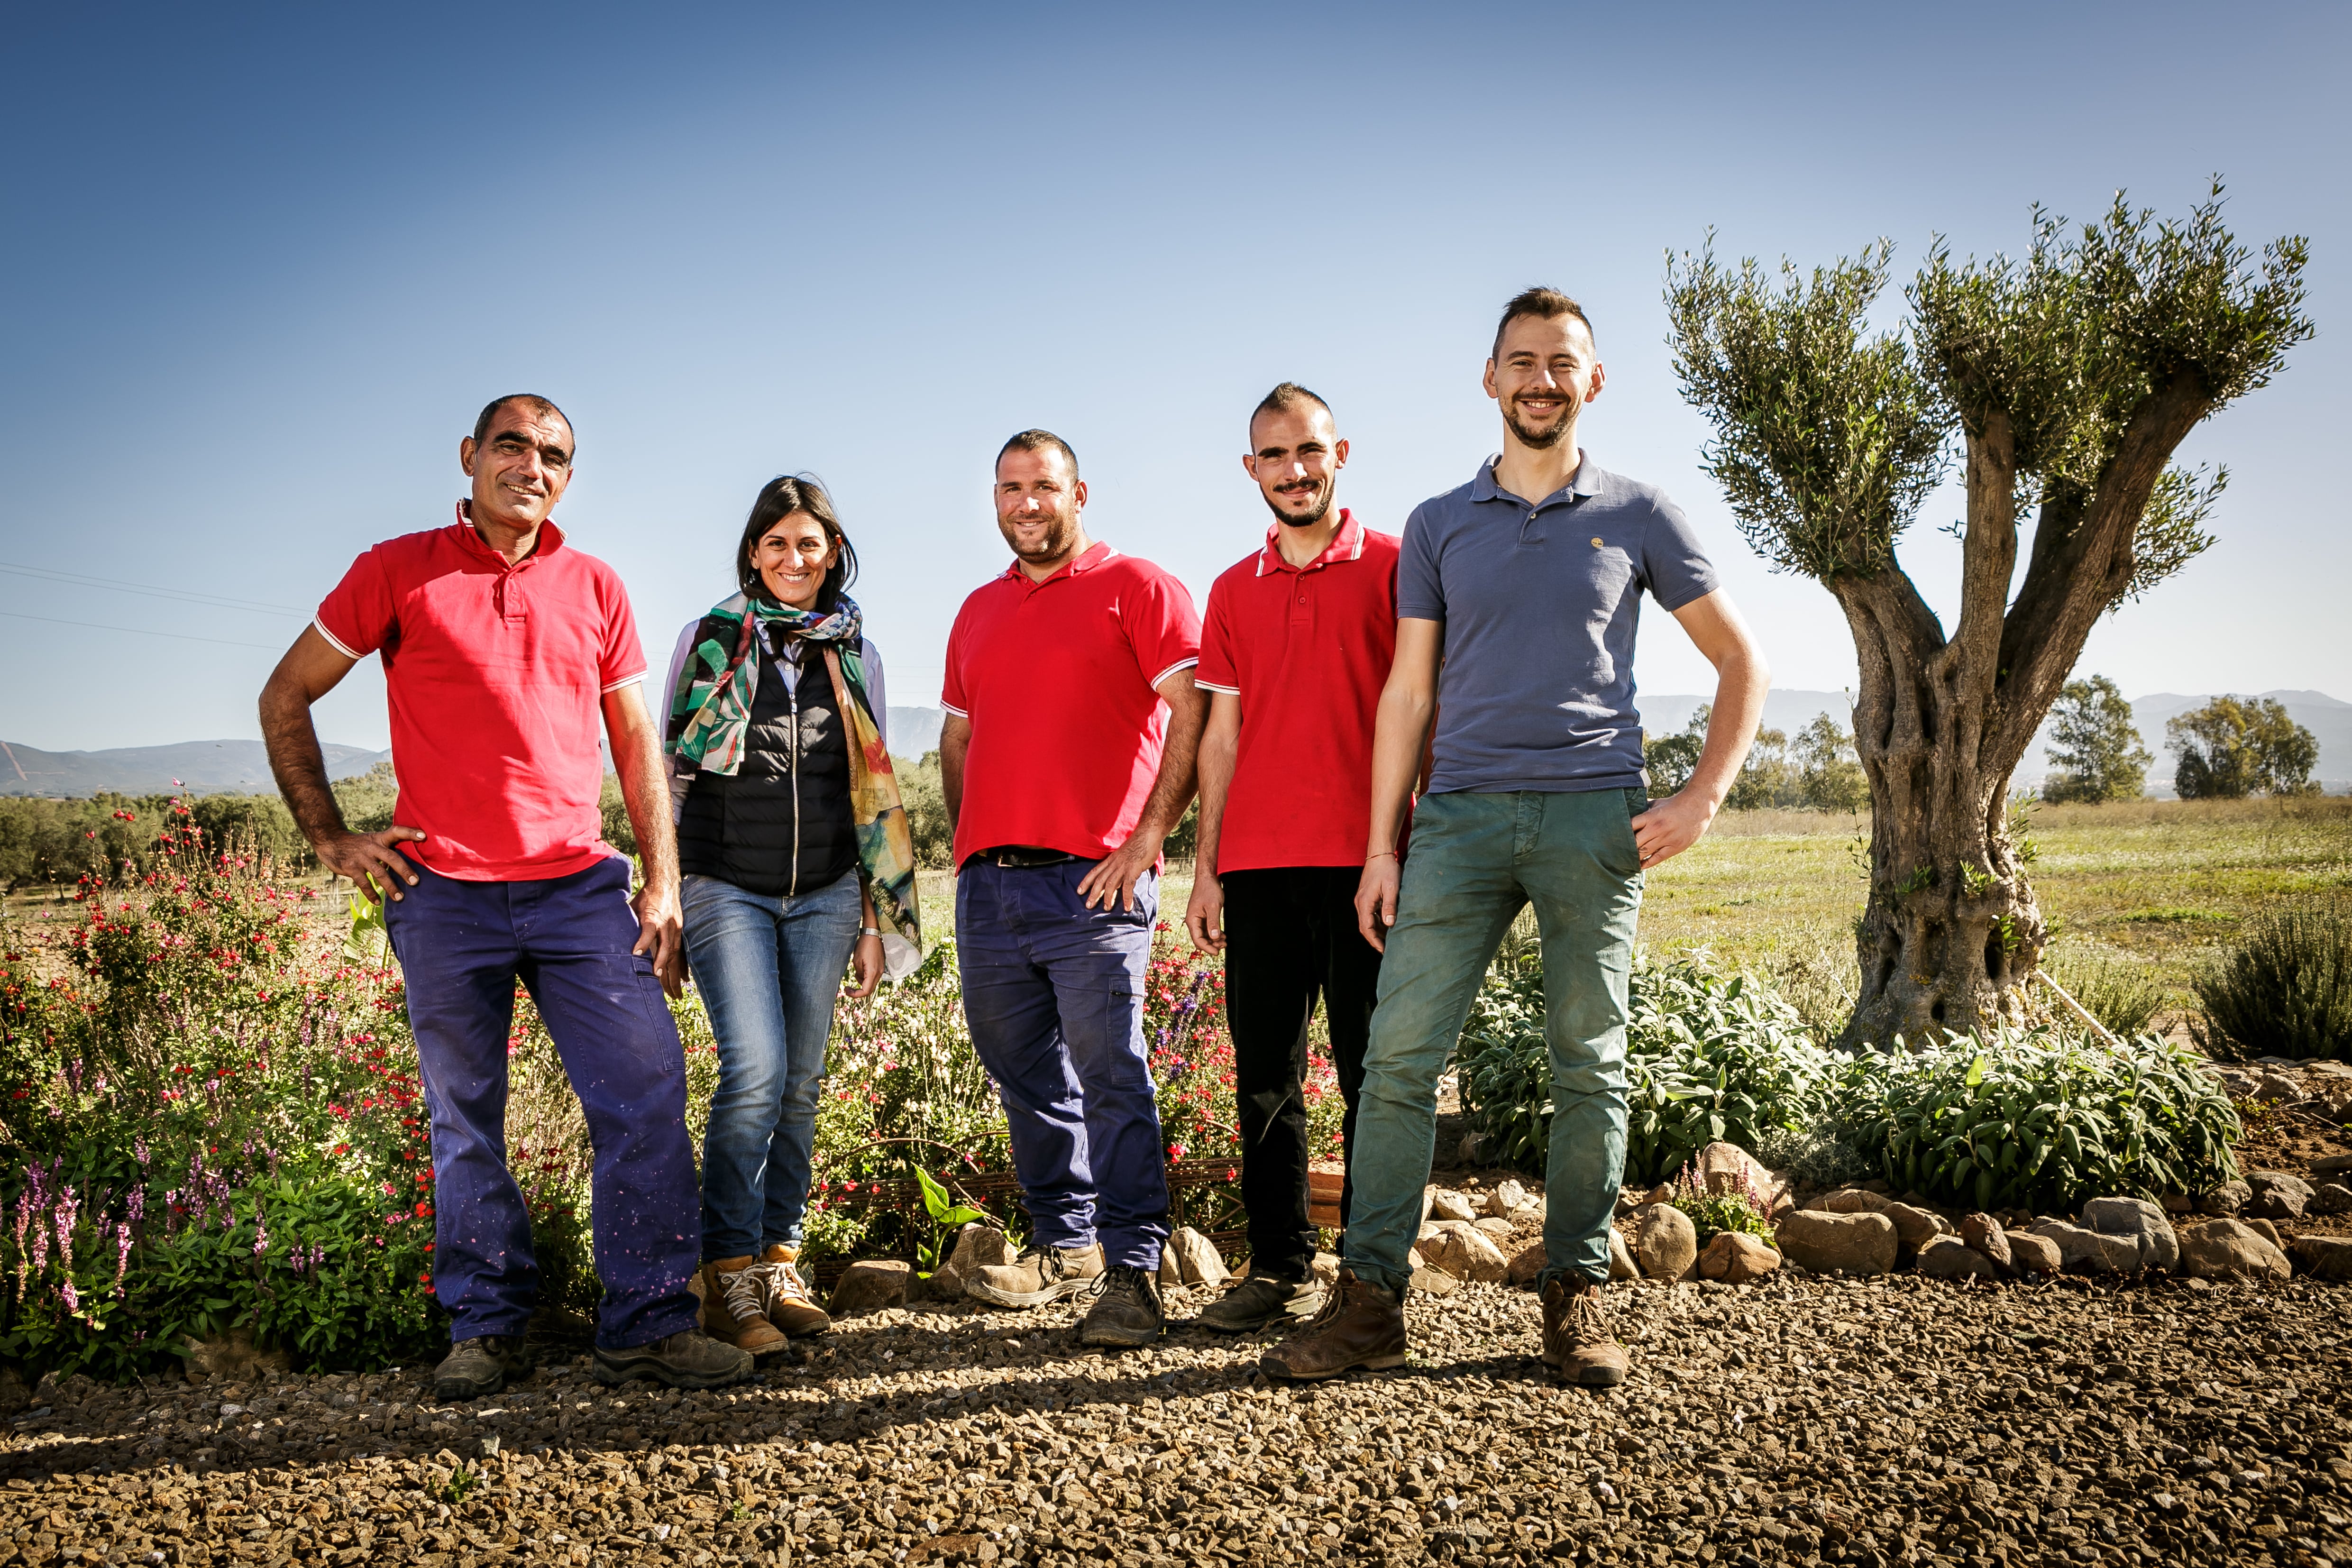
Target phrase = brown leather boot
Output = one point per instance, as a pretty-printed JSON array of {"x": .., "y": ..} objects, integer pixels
[
  {"x": 733, "y": 1312},
  {"x": 788, "y": 1306},
  {"x": 1577, "y": 1343},
  {"x": 1361, "y": 1325}
]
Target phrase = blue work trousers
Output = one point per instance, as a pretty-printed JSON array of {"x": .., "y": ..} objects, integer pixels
[{"x": 462, "y": 946}]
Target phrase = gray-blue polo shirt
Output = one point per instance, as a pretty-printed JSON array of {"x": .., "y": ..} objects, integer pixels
[{"x": 1539, "y": 605}]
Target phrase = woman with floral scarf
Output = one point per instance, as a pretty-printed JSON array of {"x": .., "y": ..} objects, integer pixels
[{"x": 797, "y": 864}]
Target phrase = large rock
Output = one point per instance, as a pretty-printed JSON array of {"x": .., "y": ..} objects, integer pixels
[
  {"x": 1197, "y": 1256},
  {"x": 2094, "y": 1251},
  {"x": 2279, "y": 1195},
  {"x": 2229, "y": 1249},
  {"x": 2332, "y": 1165},
  {"x": 2281, "y": 1086},
  {"x": 1982, "y": 1235},
  {"x": 1950, "y": 1258},
  {"x": 1500, "y": 1230},
  {"x": 1621, "y": 1257},
  {"x": 1665, "y": 1243},
  {"x": 1727, "y": 1168},
  {"x": 871, "y": 1284},
  {"x": 2333, "y": 1197},
  {"x": 1852, "y": 1199},
  {"x": 1737, "y": 1258},
  {"x": 1916, "y": 1227},
  {"x": 1434, "y": 1282},
  {"x": 2268, "y": 1232},
  {"x": 1854, "y": 1243},
  {"x": 1527, "y": 1264},
  {"x": 1444, "y": 1204},
  {"x": 1507, "y": 1198},
  {"x": 2139, "y": 1219},
  {"x": 2229, "y": 1198},
  {"x": 2324, "y": 1256},
  {"x": 977, "y": 1247},
  {"x": 2033, "y": 1254},
  {"x": 1468, "y": 1254}
]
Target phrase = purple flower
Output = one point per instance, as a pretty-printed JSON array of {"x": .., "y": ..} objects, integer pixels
[
  {"x": 261, "y": 1234},
  {"x": 139, "y": 1148},
  {"x": 122, "y": 1257}
]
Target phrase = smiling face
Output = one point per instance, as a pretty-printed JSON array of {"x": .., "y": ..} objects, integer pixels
[
  {"x": 520, "y": 468},
  {"x": 1544, "y": 372},
  {"x": 1039, "y": 500},
  {"x": 1296, "y": 459},
  {"x": 792, "y": 557}
]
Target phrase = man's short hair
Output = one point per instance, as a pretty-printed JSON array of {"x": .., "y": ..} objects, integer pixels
[
  {"x": 1037, "y": 441},
  {"x": 1549, "y": 303},
  {"x": 1285, "y": 397},
  {"x": 531, "y": 400}
]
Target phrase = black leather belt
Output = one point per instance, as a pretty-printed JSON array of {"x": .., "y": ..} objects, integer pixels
[{"x": 1023, "y": 856}]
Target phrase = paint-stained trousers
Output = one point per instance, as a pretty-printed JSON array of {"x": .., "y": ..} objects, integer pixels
[{"x": 462, "y": 946}]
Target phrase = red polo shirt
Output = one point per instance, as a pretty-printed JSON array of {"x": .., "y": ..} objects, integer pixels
[
  {"x": 495, "y": 677},
  {"x": 1057, "y": 678},
  {"x": 1307, "y": 650}
]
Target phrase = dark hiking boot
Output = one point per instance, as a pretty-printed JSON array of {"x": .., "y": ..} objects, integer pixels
[
  {"x": 789, "y": 1307},
  {"x": 1577, "y": 1343},
  {"x": 735, "y": 1306},
  {"x": 1041, "y": 1274},
  {"x": 1259, "y": 1301},
  {"x": 1360, "y": 1325},
  {"x": 1126, "y": 1313},
  {"x": 481, "y": 1365},
  {"x": 691, "y": 1359}
]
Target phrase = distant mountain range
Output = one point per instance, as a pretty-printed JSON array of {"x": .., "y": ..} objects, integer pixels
[{"x": 210, "y": 766}]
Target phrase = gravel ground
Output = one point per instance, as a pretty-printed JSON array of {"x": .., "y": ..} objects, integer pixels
[{"x": 1804, "y": 1420}]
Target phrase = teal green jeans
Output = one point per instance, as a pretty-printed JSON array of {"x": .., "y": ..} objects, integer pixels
[{"x": 1476, "y": 861}]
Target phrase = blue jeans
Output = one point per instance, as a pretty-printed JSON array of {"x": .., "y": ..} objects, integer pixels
[
  {"x": 462, "y": 946},
  {"x": 1476, "y": 861},
  {"x": 1054, "y": 992},
  {"x": 769, "y": 971}
]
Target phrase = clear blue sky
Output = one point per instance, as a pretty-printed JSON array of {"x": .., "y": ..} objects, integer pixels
[{"x": 264, "y": 263}]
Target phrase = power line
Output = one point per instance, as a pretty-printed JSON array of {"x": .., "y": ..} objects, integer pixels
[
  {"x": 143, "y": 631},
  {"x": 186, "y": 596}
]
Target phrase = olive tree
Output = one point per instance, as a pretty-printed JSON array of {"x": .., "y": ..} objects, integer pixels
[{"x": 2062, "y": 384}]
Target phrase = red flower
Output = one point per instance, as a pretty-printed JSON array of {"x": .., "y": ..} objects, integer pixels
[{"x": 423, "y": 1210}]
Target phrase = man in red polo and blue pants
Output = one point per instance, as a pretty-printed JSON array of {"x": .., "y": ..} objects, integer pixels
[
  {"x": 1296, "y": 648},
  {"x": 503, "y": 648},
  {"x": 1063, "y": 779}
]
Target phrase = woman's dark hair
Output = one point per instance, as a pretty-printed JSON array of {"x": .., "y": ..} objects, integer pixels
[{"x": 779, "y": 499}]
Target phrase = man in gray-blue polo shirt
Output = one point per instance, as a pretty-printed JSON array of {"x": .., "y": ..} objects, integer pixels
[{"x": 1517, "y": 599}]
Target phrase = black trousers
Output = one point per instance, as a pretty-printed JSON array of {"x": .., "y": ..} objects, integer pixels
[{"x": 1290, "y": 937}]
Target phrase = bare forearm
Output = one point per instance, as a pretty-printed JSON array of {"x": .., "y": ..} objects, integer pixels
[
  {"x": 638, "y": 761},
  {"x": 1400, "y": 740},
  {"x": 1216, "y": 770},
  {"x": 1172, "y": 791},
  {"x": 955, "y": 742},
  {"x": 1741, "y": 684},
  {"x": 298, "y": 764}
]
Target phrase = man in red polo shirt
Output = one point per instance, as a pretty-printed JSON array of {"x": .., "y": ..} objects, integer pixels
[
  {"x": 503, "y": 648},
  {"x": 1063, "y": 778},
  {"x": 1293, "y": 651}
]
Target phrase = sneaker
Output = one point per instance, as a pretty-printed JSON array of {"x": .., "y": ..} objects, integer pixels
[
  {"x": 789, "y": 1307},
  {"x": 691, "y": 1359},
  {"x": 1577, "y": 1343},
  {"x": 735, "y": 1306},
  {"x": 1362, "y": 1325},
  {"x": 1260, "y": 1299},
  {"x": 481, "y": 1365},
  {"x": 1041, "y": 1274},
  {"x": 1126, "y": 1314}
]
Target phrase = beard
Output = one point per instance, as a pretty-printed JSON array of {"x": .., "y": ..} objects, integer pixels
[
  {"x": 1054, "y": 543},
  {"x": 1311, "y": 516},
  {"x": 1538, "y": 439}
]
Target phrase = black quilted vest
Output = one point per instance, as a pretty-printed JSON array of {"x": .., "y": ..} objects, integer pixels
[{"x": 780, "y": 824}]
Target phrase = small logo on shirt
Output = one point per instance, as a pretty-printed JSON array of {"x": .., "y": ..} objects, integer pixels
[{"x": 1596, "y": 544}]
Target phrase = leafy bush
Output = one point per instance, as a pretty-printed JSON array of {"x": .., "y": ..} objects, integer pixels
[
  {"x": 2285, "y": 990},
  {"x": 1711, "y": 1214},
  {"x": 1708, "y": 1058},
  {"x": 2036, "y": 1119},
  {"x": 2119, "y": 991}
]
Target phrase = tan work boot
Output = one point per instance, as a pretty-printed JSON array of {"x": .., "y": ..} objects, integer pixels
[
  {"x": 733, "y": 1310},
  {"x": 789, "y": 1307},
  {"x": 1360, "y": 1325},
  {"x": 1577, "y": 1343},
  {"x": 1041, "y": 1274}
]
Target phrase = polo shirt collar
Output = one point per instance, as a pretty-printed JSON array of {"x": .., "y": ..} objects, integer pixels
[
  {"x": 1586, "y": 483},
  {"x": 1347, "y": 544},
  {"x": 1094, "y": 556},
  {"x": 550, "y": 539}
]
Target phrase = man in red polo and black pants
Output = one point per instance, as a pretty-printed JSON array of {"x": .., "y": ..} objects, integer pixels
[
  {"x": 1063, "y": 778},
  {"x": 1296, "y": 648}
]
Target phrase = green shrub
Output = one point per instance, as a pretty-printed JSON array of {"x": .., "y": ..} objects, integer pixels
[
  {"x": 2038, "y": 1119},
  {"x": 2120, "y": 992},
  {"x": 1707, "y": 1056},
  {"x": 2285, "y": 990},
  {"x": 1711, "y": 1214}
]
